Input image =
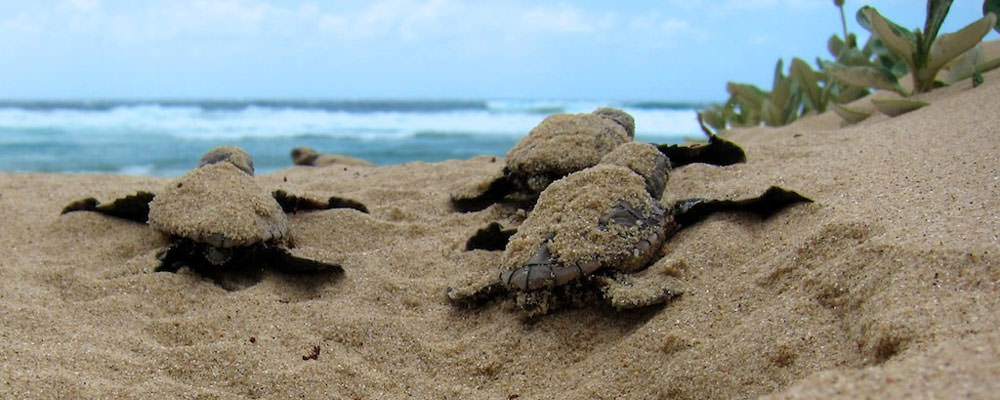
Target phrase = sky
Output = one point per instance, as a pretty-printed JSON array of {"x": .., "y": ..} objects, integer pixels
[{"x": 666, "y": 50}]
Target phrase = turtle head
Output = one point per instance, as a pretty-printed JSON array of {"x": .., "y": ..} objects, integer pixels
[
  {"x": 645, "y": 160},
  {"x": 231, "y": 154},
  {"x": 619, "y": 117},
  {"x": 304, "y": 155}
]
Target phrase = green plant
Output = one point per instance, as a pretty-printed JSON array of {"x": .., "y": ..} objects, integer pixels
[
  {"x": 890, "y": 52},
  {"x": 924, "y": 52},
  {"x": 781, "y": 106}
]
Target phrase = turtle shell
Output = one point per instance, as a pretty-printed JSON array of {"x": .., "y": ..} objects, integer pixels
[
  {"x": 644, "y": 159},
  {"x": 218, "y": 204},
  {"x": 600, "y": 217},
  {"x": 563, "y": 143}
]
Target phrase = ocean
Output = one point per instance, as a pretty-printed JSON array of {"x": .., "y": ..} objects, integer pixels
[{"x": 165, "y": 138}]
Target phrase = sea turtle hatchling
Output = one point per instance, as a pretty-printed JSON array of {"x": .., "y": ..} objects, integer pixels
[
  {"x": 592, "y": 232},
  {"x": 218, "y": 218},
  {"x": 306, "y": 156},
  {"x": 565, "y": 143}
]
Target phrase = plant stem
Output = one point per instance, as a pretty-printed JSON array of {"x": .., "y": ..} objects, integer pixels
[{"x": 843, "y": 23}]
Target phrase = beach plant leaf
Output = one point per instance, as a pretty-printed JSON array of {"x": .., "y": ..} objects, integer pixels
[
  {"x": 851, "y": 116},
  {"x": 745, "y": 103},
  {"x": 747, "y": 93},
  {"x": 846, "y": 54},
  {"x": 992, "y": 6},
  {"x": 897, "y": 39},
  {"x": 951, "y": 45},
  {"x": 896, "y": 107},
  {"x": 865, "y": 76},
  {"x": 965, "y": 65},
  {"x": 847, "y": 93},
  {"x": 936, "y": 11},
  {"x": 884, "y": 57},
  {"x": 814, "y": 96},
  {"x": 714, "y": 116},
  {"x": 926, "y": 53},
  {"x": 835, "y": 45},
  {"x": 780, "y": 108}
]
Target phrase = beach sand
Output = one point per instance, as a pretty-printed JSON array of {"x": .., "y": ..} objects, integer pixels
[{"x": 885, "y": 287}]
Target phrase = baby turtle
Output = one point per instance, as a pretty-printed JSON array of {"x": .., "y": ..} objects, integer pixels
[
  {"x": 565, "y": 143},
  {"x": 218, "y": 218},
  {"x": 306, "y": 156},
  {"x": 592, "y": 231}
]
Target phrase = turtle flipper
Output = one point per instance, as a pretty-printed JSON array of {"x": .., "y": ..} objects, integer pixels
[
  {"x": 300, "y": 260},
  {"x": 497, "y": 190},
  {"x": 775, "y": 199},
  {"x": 291, "y": 203},
  {"x": 718, "y": 151},
  {"x": 173, "y": 257},
  {"x": 339, "y": 202},
  {"x": 623, "y": 292},
  {"x": 472, "y": 297},
  {"x": 133, "y": 207},
  {"x": 492, "y": 238}
]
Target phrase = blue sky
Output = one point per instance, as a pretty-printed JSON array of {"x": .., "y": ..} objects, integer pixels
[{"x": 601, "y": 50}]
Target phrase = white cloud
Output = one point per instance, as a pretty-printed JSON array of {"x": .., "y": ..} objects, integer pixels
[
  {"x": 717, "y": 7},
  {"x": 476, "y": 24},
  {"x": 561, "y": 18},
  {"x": 80, "y": 5}
]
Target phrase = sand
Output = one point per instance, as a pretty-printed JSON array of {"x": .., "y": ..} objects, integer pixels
[{"x": 885, "y": 287}]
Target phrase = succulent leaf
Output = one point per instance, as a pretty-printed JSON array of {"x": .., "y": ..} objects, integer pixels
[
  {"x": 965, "y": 65},
  {"x": 863, "y": 19},
  {"x": 835, "y": 45},
  {"x": 951, "y": 45},
  {"x": 805, "y": 77},
  {"x": 895, "y": 107},
  {"x": 847, "y": 93},
  {"x": 714, "y": 116},
  {"x": 897, "y": 39},
  {"x": 936, "y": 11},
  {"x": 850, "y": 115},
  {"x": 992, "y": 6},
  {"x": 865, "y": 76},
  {"x": 746, "y": 93}
]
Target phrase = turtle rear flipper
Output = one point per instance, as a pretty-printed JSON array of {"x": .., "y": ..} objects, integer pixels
[
  {"x": 492, "y": 238},
  {"x": 291, "y": 203},
  {"x": 133, "y": 207},
  {"x": 775, "y": 199}
]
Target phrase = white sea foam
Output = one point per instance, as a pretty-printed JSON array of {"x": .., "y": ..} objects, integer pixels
[{"x": 161, "y": 138}]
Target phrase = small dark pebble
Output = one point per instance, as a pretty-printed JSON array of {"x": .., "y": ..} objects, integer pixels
[{"x": 312, "y": 356}]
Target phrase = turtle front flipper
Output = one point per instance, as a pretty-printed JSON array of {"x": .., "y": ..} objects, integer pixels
[
  {"x": 495, "y": 192},
  {"x": 300, "y": 260},
  {"x": 775, "y": 199},
  {"x": 291, "y": 203},
  {"x": 132, "y": 207},
  {"x": 718, "y": 151},
  {"x": 491, "y": 238}
]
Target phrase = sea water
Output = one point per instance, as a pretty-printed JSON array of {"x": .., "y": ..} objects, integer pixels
[{"x": 166, "y": 138}]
